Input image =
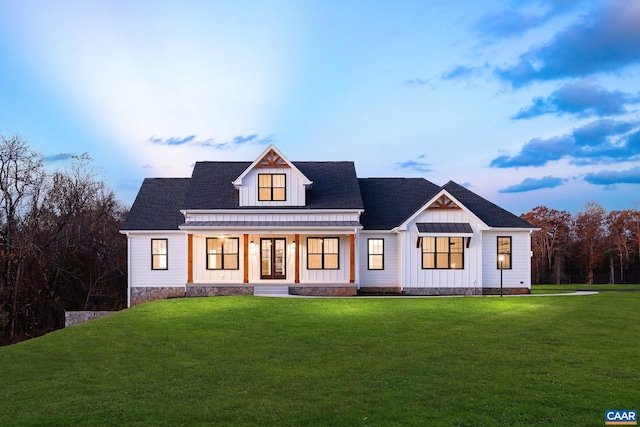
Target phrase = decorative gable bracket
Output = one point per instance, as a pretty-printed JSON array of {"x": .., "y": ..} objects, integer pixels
[
  {"x": 443, "y": 202},
  {"x": 271, "y": 159}
]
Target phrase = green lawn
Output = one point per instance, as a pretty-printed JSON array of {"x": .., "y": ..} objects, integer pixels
[
  {"x": 478, "y": 361},
  {"x": 551, "y": 289}
]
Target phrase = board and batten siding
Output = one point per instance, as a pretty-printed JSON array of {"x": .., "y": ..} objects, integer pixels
[
  {"x": 203, "y": 276},
  {"x": 338, "y": 276},
  {"x": 390, "y": 275},
  {"x": 520, "y": 274},
  {"x": 295, "y": 190},
  {"x": 141, "y": 274},
  {"x": 414, "y": 276}
]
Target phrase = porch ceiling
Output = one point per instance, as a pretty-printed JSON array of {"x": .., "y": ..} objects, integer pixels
[{"x": 272, "y": 224}]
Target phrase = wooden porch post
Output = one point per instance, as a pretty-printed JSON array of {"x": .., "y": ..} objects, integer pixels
[
  {"x": 297, "y": 246},
  {"x": 246, "y": 258},
  {"x": 352, "y": 258},
  {"x": 189, "y": 258}
]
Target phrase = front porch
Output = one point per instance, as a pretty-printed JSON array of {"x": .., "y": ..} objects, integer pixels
[{"x": 227, "y": 263}]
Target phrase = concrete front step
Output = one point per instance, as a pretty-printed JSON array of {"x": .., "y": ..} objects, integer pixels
[{"x": 271, "y": 291}]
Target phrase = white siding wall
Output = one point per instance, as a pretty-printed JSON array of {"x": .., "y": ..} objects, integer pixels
[
  {"x": 294, "y": 188},
  {"x": 326, "y": 276},
  {"x": 140, "y": 272},
  {"x": 520, "y": 273},
  {"x": 204, "y": 276},
  {"x": 413, "y": 276},
  {"x": 390, "y": 276}
]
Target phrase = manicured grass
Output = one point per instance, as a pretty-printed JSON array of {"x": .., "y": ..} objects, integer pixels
[
  {"x": 333, "y": 362},
  {"x": 551, "y": 289}
]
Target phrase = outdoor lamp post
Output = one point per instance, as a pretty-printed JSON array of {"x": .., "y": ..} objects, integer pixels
[{"x": 500, "y": 261}]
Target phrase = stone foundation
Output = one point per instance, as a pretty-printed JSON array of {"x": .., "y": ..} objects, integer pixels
[
  {"x": 140, "y": 295},
  {"x": 505, "y": 291},
  {"x": 217, "y": 290},
  {"x": 380, "y": 290},
  {"x": 76, "y": 317},
  {"x": 324, "y": 291},
  {"x": 441, "y": 291}
]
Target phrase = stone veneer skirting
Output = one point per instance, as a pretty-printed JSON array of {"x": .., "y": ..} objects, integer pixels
[
  {"x": 324, "y": 291},
  {"x": 76, "y": 317},
  {"x": 218, "y": 290},
  {"x": 505, "y": 291},
  {"x": 442, "y": 291},
  {"x": 380, "y": 290},
  {"x": 140, "y": 295}
]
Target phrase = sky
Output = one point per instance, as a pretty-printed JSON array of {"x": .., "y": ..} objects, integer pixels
[{"x": 524, "y": 102}]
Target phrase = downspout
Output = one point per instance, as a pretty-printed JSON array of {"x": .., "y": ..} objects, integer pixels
[
  {"x": 401, "y": 255},
  {"x": 128, "y": 271}
]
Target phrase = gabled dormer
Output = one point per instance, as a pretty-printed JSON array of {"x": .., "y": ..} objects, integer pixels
[{"x": 272, "y": 180}]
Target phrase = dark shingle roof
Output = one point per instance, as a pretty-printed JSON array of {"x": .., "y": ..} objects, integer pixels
[
  {"x": 388, "y": 202},
  {"x": 211, "y": 185},
  {"x": 335, "y": 185},
  {"x": 391, "y": 201},
  {"x": 157, "y": 205},
  {"x": 491, "y": 214}
]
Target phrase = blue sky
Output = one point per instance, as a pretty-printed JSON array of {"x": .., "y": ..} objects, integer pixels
[{"x": 525, "y": 102}]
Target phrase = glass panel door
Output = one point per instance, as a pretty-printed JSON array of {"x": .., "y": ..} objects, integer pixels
[
  {"x": 273, "y": 254},
  {"x": 278, "y": 258},
  {"x": 265, "y": 258}
]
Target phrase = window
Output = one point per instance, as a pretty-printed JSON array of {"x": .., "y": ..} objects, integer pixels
[
  {"x": 159, "y": 254},
  {"x": 272, "y": 186},
  {"x": 323, "y": 253},
  {"x": 443, "y": 253},
  {"x": 375, "y": 250},
  {"x": 222, "y": 253},
  {"x": 504, "y": 252}
]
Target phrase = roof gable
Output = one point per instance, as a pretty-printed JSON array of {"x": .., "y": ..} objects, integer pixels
[
  {"x": 270, "y": 157},
  {"x": 489, "y": 213}
]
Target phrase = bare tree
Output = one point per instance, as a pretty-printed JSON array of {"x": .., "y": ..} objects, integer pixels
[
  {"x": 90, "y": 262},
  {"x": 21, "y": 178}
]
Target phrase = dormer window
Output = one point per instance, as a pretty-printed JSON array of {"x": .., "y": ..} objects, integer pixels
[{"x": 272, "y": 187}]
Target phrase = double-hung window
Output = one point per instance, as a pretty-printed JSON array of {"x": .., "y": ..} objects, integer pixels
[
  {"x": 443, "y": 253},
  {"x": 272, "y": 187},
  {"x": 504, "y": 253},
  {"x": 323, "y": 253},
  {"x": 222, "y": 253},
  {"x": 159, "y": 254},
  {"x": 375, "y": 252}
]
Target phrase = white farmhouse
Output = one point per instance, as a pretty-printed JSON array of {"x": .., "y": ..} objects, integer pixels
[{"x": 315, "y": 228}]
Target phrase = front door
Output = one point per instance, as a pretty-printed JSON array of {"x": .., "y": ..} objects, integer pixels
[{"x": 272, "y": 258}]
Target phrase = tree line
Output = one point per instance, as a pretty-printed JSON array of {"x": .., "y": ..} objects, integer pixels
[
  {"x": 60, "y": 247},
  {"x": 593, "y": 246}
]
